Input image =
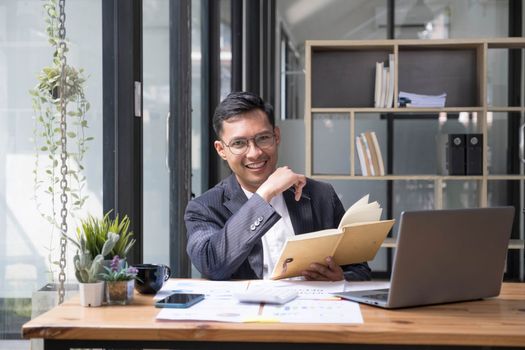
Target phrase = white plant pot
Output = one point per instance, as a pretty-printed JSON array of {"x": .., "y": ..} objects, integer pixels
[{"x": 91, "y": 294}]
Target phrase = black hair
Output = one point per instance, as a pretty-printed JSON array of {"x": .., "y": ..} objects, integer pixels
[{"x": 237, "y": 103}]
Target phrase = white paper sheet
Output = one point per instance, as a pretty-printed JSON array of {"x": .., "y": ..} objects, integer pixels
[
  {"x": 315, "y": 303},
  {"x": 211, "y": 289},
  {"x": 314, "y": 311},
  {"x": 224, "y": 310},
  {"x": 306, "y": 289}
]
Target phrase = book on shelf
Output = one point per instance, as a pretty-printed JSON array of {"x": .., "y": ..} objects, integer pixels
[
  {"x": 384, "y": 83},
  {"x": 357, "y": 239},
  {"x": 390, "y": 88},
  {"x": 377, "y": 91},
  {"x": 369, "y": 154},
  {"x": 361, "y": 154},
  {"x": 373, "y": 154},
  {"x": 375, "y": 144}
]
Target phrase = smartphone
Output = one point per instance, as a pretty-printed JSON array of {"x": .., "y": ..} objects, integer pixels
[{"x": 180, "y": 300}]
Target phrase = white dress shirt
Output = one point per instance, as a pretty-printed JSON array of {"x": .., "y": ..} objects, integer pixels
[{"x": 273, "y": 240}]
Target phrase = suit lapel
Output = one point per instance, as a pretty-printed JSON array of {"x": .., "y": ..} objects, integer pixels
[
  {"x": 235, "y": 200},
  {"x": 234, "y": 194},
  {"x": 301, "y": 214}
]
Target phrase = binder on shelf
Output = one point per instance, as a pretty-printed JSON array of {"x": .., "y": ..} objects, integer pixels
[
  {"x": 456, "y": 154},
  {"x": 474, "y": 154}
]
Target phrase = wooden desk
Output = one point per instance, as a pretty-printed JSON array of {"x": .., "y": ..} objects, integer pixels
[{"x": 493, "y": 322}]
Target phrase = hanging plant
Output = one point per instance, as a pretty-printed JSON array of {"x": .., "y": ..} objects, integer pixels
[{"x": 47, "y": 135}]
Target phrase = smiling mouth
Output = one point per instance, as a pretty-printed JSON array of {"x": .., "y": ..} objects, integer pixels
[{"x": 255, "y": 166}]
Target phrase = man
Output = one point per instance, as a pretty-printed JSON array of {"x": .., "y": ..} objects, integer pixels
[{"x": 236, "y": 230}]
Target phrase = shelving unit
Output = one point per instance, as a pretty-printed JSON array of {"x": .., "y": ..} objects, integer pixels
[{"x": 340, "y": 79}]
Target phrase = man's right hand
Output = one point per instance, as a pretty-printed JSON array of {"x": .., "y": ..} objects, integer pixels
[{"x": 282, "y": 179}]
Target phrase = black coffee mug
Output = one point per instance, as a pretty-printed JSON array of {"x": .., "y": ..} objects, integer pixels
[{"x": 151, "y": 277}]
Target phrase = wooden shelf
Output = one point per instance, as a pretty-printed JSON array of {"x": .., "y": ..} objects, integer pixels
[
  {"x": 506, "y": 109},
  {"x": 340, "y": 80},
  {"x": 397, "y": 110},
  {"x": 506, "y": 177},
  {"x": 419, "y": 177}
]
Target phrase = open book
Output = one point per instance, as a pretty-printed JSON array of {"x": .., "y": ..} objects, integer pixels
[{"x": 357, "y": 239}]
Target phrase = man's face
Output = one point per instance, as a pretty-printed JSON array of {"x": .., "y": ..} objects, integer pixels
[{"x": 254, "y": 166}]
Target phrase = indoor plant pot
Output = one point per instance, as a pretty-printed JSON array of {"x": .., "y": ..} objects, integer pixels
[
  {"x": 87, "y": 270},
  {"x": 119, "y": 292},
  {"x": 120, "y": 282},
  {"x": 91, "y": 294}
]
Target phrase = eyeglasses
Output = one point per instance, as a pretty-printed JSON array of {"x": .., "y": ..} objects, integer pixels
[{"x": 241, "y": 146}]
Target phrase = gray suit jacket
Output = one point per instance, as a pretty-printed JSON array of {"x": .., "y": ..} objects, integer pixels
[{"x": 224, "y": 241}]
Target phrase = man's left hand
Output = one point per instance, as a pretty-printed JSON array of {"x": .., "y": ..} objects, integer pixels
[{"x": 329, "y": 272}]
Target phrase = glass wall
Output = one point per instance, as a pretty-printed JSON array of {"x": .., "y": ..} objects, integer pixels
[
  {"x": 156, "y": 105},
  {"x": 413, "y": 19},
  {"x": 438, "y": 19},
  {"x": 29, "y": 246}
]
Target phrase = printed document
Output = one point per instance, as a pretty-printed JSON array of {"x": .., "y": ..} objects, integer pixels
[{"x": 315, "y": 303}]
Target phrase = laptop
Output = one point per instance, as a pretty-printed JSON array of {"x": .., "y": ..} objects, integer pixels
[{"x": 445, "y": 256}]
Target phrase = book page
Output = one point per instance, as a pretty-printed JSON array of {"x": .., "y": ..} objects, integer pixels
[
  {"x": 330, "y": 231},
  {"x": 369, "y": 213},
  {"x": 361, "y": 202},
  {"x": 361, "y": 211}
]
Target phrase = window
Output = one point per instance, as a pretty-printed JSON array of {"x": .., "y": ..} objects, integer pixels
[{"x": 27, "y": 247}]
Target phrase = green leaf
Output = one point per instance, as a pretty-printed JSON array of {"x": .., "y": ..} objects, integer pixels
[{"x": 71, "y": 134}]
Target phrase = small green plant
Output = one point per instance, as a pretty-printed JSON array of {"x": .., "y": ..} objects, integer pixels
[
  {"x": 46, "y": 105},
  {"x": 96, "y": 232},
  {"x": 116, "y": 272},
  {"x": 87, "y": 268}
]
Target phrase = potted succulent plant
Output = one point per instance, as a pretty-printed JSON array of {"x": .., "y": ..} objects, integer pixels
[
  {"x": 96, "y": 232},
  {"x": 120, "y": 282},
  {"x": 87, "y": 269}
]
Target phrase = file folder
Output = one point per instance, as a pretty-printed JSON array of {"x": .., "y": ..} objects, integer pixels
[
  {"x": 456, "y": 154},
  {"x": 474, "y": 154}
]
